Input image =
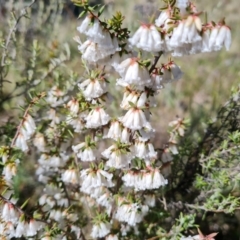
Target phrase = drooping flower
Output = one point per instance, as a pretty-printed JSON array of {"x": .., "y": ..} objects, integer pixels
[
  {"x": 115, "y": 130},
  {"x": 70, "y": 176},
  {"x": 220, "y": 36},
  {"x": 28, "y": 126},
  {"x": 21, "y": 142},
  {"x": 144, "y": 179},
  {"x": 73, "y": 106},
  {"x": 86, "y": 152},
  {"x": 91, "y": 178},
  {"x": 56, "y": 96},
  {"x": 163, "y": 17},
  {"x": 93, "y": 88},
  {"x": 150, "y": 200},
  {"x": 134, "y": 119},
  {"x": 118, "y": 157},
  {"x": 97, "y": 118},
  {"x": 148, "y": 38},
  {"x": 132, "y": 73},
  {"x": 100, "y": 230},
  {"x": 39, "y": 142},
  {"x": 131, "y": 213},
  {"x": 10, "y": 213}
]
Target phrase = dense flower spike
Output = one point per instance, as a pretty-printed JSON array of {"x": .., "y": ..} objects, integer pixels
[{"x": 98, "y": 162}]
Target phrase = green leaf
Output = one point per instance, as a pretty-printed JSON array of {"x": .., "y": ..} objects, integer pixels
[{"x": 101, "y": 10}]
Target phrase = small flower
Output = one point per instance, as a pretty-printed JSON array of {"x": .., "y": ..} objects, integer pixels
[
  {"x": 85, "y": 151},
  {"x": 144, "y": 150},
  {"x": 56, "y": 96},
  {"x": 92, "y": 51},
  {"x": 21, "y": 142},
  {"x": 134, "y": 119},
  {"x": 10, "y": 213},
  {"x": 129, "y": 96},
  {"x": 147, "y": 38},
  {"x": 178, "y": 126},
  {"x": 39, "y": 142},
  {"x": 95, "y": 178},
  {"x": 85, "y": 25},
  {"x": 33, "y": 227},
  {"x": 118, "y": 156},
  {"x": 131, "y": 213},
  {"x": 70, "y": 176},
  {"x": 220, "y": 36},
  {"x": 73, "y": 106},
  {"x": 163, "y": 17},
  {"x": 132, "y": 73},
  {"x": 54, "y": 161},
  {"x": 97, "y": 118},
  {"x": 93, "y": 88},
  {"x": 77, "y": 122},
  {"x": 144, "y": 179},
  {"x": 29, "y": 125},
  {"x": 21, "y": 229},
  {"x": 112, "y": 237},
  {"x": 125, "y": 135},
  {"x": 150, "y": 200},
  {"x": 52, "y": 115},
  {"x": 103, "y": 197},
  {"x": 115, "y": 130},
  {"x": 10, "y": 170},
  {"x": 100, "y": 230}
]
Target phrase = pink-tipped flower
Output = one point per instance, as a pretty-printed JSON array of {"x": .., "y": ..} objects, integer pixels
[{"x": 133, "y": 73}]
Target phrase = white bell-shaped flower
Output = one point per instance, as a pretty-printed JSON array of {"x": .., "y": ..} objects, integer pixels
[
  {"x": 147, "y": 38},
  {"x": 100, "y": 230},
  {"x": 93, "y": 88},
  {"x": 131, "y": 213},
  {"x": 95, "y": 178},
  {"x": 70, "y": 176},
  {"x": 220, "y": 36},
  {"x": 134, "y": 119},
  {"x": 97, "y": 118},
  {"x": 132, "y": 73},
  {"x": 84, "y": 152},
  {"x": 117, "y": 158}
]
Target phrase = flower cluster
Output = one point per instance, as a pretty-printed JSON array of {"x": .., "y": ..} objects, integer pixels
[
  {"x": 98, "y": 166},
  {"x": 25, "y": 132}
]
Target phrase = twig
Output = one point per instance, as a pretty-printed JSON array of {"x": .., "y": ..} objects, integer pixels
[
  {"x": 208, "y": 210},
  {"x": 5, "y": 200},
  {"x": 5, "y": 49},
  {"x": 156, "y": 58},
  {"x": 12, "y": 30},
  {"x": 34, "y": 101},
  {"x": 50, "y": 70}
]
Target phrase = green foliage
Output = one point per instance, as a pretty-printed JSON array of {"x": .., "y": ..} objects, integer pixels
[{"x": 205, "y": 175}]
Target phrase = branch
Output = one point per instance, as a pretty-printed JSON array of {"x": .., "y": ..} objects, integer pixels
[
  {"x": 34, "y": 101},
  {"x": 23, "y": 13},
  {"x": 156, "y": 58},
  {"x": 12, "y": 30}
]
